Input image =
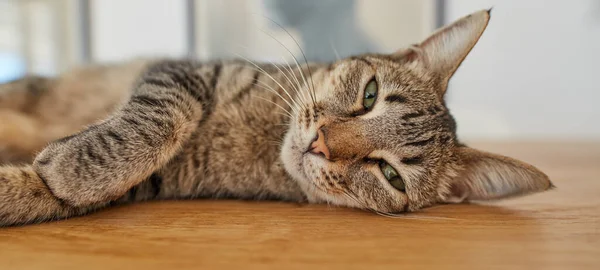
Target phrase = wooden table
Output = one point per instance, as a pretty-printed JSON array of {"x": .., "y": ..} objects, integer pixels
[{"x": 559, "y": 229}]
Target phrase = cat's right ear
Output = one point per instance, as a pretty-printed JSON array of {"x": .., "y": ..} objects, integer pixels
[
  {"x": 444, "y": 50},
  {"x": 486, "y": 176}
]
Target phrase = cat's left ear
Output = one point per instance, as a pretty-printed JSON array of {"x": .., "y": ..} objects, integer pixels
[
  {"x": 444, "y": 50},
  {"x": 487, "y": 176}
]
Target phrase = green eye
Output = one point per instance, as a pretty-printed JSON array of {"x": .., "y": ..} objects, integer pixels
[
  {"x": 392, "y": 176},
  {"x": 370, "y": 94}
]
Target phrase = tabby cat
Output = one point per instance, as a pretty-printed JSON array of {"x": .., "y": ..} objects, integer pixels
[{"x": 370, "y": 132}]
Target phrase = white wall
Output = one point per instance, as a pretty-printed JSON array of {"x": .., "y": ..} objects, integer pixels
[
  {"x": 122, "y": 29},
  {"x": 12, "y": 60},
  {"x": 534, "y": 72}
]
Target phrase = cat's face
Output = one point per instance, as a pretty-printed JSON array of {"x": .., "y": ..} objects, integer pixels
[{"x": 376, "y": 134}]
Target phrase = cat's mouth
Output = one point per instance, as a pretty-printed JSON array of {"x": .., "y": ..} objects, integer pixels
[{"x": 298, "y": 159}]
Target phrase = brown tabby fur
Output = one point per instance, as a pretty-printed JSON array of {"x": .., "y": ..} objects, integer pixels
[{"x": 184, "y": 129}]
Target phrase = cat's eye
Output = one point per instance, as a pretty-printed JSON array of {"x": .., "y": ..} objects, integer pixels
[
  {"x": 392, "y": 176},
  {"x": 370, "y": 94}
]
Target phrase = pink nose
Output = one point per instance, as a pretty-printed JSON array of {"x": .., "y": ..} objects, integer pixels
[{"x": 318, "y": 146}]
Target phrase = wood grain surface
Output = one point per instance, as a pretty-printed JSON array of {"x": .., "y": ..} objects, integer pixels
[{"x": 559, "y": 229}]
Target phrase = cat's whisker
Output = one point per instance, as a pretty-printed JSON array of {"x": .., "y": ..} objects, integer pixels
[
  {"x": 296, "y": 83},
  {"x": 276, "y": 143},
  {"x": 284, "y": 74},
  {"x": 383, "y": 214},
  {"x": 300, "y": 93},
  {"x": 298, "y": 87},
  {"x": 420, "y": 217},
  {"x": 275, "y": 92},
  {"x": 335, "y": 51},
  {"x": 353, "y": 198},
  {"x": 397, "y": 215},
  {"x": 292, "y": 54},
  {"x": 259, "y": 69},
  {"x": 407, "y": 216},
  {"x": 266, "y": 86},
  {"x": 352, "y": 195},
  {"x": 291, "y": 83},
  {"x": 288, "y": 113},
  {"x": 303, "y": 55},
  {"x": 274, "y": 80},
  {"x": 269, "y": 88}
]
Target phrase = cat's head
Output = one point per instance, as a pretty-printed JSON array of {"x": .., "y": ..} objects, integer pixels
[{"x": 376, "y": 132}]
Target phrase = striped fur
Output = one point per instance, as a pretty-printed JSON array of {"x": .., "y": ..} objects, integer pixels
[{"x": 177, "y": 129}]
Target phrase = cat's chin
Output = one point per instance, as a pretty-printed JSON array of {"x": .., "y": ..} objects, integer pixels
[{"x": 294, "y": 161}]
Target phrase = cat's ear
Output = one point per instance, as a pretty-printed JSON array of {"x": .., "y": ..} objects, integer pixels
[
  {"x": 487, "y": 176},
  {"x": 444, "y": 50}
]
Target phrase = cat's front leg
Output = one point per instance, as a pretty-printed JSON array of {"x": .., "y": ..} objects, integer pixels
[
  {"x": 25, "y": 198},
  {"x": 103, "y": 162}
]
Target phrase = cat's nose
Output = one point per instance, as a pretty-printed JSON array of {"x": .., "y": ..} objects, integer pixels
[{"x": 318, "y": 145}]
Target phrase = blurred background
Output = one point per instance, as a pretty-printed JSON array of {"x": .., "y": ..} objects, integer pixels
[{"x": 532, "y": 75}]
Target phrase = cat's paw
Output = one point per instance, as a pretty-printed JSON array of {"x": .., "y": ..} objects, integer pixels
[
  {"x": 62, "y": 167},
  {"x": 78, "y": 171},
  {"x": 24, "y": 198}
]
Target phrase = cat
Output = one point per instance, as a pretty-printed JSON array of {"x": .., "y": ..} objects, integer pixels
[{"x": 370, "y": 131}]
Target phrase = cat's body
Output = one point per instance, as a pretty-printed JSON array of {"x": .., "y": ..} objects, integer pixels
[
  {"x": 185, "y": 129},
  {"x": 232, "y": 150}
]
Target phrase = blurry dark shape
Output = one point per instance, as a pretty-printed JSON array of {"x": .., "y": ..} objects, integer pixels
[
  {"x": 323, "y": 24},
  {"x": 440, "y": 15}
]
